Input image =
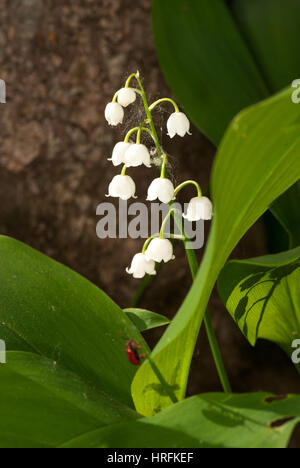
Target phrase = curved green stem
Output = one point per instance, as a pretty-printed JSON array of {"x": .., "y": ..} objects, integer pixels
[
  {"x": 163, "y": 167},
  {"x": 156, "y": 103},
  {"x": 138, "y": 136},
  {"x": 162, "y": 229},
  {"x": 136, "y": 129},
  {"x": 188, "y": 182},
  {"x": 147, "y": 243},
  {"x": 133, "y": 75},
  {"x": 114, "y": 99},
  {"x": 124, "y": 169}
]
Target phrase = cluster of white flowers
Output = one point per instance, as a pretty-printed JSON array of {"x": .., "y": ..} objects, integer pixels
[{"x": 156, "y": 249}]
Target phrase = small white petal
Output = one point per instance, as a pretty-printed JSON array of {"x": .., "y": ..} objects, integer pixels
[
  {"x": 118, "y": 155},
  {"x": 199, "y": 208},
  {"x": 178, "y": 124},
  {"x": 163, "y": 189},
  {"x": 114, "y": 113},
  {"x": 160, "y": 250},
  {"x": 140, "y": 266},
  {"x": 137, "y": 155},
  {"x": 122, "y": 187},
  {"x": 126, "y": 96}
]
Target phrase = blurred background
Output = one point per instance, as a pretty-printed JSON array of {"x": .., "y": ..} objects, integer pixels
[{"x": 62, "y": 62}]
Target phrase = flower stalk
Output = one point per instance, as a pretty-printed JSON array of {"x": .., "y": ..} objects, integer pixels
[{"x": 157, "y": 248}]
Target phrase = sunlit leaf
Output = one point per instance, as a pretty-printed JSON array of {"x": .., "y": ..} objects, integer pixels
[
  {"x": 146, "y": 320},
  {"x": 44, "y": 405},
  {"x": 255, "y": 420},
  {"x": 263, "y": 296},
  {"x": 52, "y": 311}
]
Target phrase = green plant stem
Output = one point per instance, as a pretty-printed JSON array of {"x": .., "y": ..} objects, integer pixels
[
  {"x": 188, "y": 182},
  {"x": 136, "y": 129},
  {"x": 164, "y": 223},
  {"x": 133, "y": 75},
  {"x": 216, "y": 353},
  {"x": 140, "y": 291},
  {"x": 147, "y": 243},
  {"x": 163, "y": 166},
  {"x": 160, "y": 101},
  {"x": 149, "y": 115},
  {"x": 193, "y": 264},
  {"x": 209, "y": 330}
]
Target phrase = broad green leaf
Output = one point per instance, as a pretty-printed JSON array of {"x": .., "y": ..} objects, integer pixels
[
  {"x": 50, "y": 310},
  {"x": 226, "y": 59},
  {"x": 206, "y": 62},
  {"x": 257, "y": 161},
  {"x": 271, "y": 30},
  {"x": 206, "y": 421},
  {"x": 146, "y": 320},
  {"x": 44, "y": 405},
  {"x": 263, "y": 297},
  {"x": 287, "y": 210}
]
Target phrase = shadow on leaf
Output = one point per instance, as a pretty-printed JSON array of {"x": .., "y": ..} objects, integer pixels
[{"x": 274, "y": 278}]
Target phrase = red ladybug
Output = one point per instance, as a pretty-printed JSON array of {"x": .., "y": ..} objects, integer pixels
[{"x": 132, "y": 352}]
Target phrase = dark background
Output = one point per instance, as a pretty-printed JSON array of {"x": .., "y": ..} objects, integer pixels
[{"x": 62, "y": 62}]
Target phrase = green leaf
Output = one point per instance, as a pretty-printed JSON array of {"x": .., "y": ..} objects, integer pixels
[
  {"x": 206, "y": 62},
  {"x": 44, "y": 405},
  {"x": 257, "y": 161},
  {"x": 263, "y": 297},
  {"x": 146, "y": 320},
  {"x": 255, "y": 420},
  {"x": 286, "y": 210},
  {"x": 52, "y": 311},
  {"x": 272, "y": 36},
  {"x": 224, "y": 60}
]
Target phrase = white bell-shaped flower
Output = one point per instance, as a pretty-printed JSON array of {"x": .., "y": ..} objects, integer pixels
[
  {"x": 122, "y": 186},
  {"x": 118, "y": 155},
  {"x": 136, "y": 155},
  {"x": 199, "y": 208},
  {"x": 140, "y": 266},
  {"x": 126, "y": 96},
  {"x": 163, "y": 189},
  {"x": 160, "y": 250},
  {"x": 178, "y": 124},
  {"x": 114, "y": 113}
]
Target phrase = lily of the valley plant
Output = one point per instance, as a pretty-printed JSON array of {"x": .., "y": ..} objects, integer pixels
[{"x": 131, "y": 154}]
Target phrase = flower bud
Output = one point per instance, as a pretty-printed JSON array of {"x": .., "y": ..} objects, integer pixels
[
  {"x": 114, "y": 113},
  {"x": 163, "y": 189},
  {"x": 178, "y": 124},
  {"x": 160, "y": 250},
  {"x": 137, "y": 155},
  {"x": 199, "y": 208},
  {"x": 126, "y": 96},
  {"x": 140, "y": 266},
  {"x": 122, "y": 186},
  {"x": 118, "y": 155}
]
